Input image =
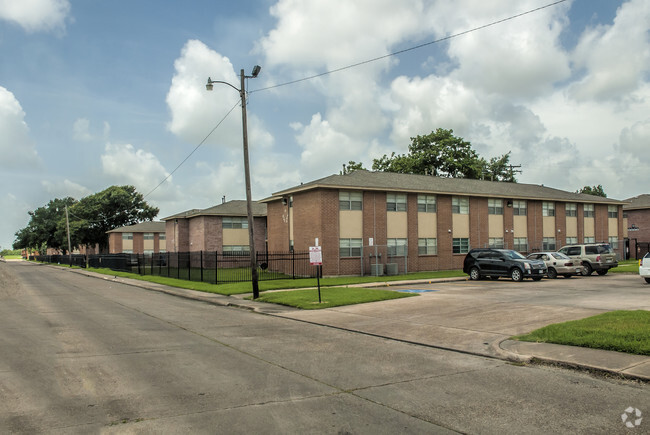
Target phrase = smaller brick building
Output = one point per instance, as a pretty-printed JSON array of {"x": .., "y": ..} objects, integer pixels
[
  {"x": 221, "y": 228},
  {"x": 142, "y": 238},
  {"x": 637, "y": 214}
]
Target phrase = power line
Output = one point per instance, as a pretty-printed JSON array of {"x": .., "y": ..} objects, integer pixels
[{"x": 416, "y": 47}]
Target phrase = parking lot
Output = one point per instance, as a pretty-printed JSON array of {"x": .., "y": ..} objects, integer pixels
[{"x": 474, "y": 316}]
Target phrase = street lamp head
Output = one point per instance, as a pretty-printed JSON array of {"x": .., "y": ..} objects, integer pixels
[
  {"x": 256, "y": 71},
  {"x": 209, "y": 85}
]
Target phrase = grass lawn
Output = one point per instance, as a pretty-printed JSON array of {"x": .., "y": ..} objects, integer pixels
[
  {"x": 623, "y": 331},
  {"x": 330, "y": 297},
  {"x": 13, "y": 257},
  {"x": 626, "y": 266}
]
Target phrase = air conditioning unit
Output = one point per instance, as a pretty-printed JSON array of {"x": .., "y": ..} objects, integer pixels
[
  {"x": 376, "y": 269},
  {"x": 392, "y": 269}
]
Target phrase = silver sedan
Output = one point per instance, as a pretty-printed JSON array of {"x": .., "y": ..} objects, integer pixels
[{"x": 558, "y": 264}]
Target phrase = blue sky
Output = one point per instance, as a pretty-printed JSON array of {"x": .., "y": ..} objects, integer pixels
[{"x": 96, "y": 93}]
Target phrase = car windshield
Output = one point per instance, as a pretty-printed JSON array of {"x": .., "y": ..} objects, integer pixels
[
  {"x": 513, "y": 254},
  {"x": 560, "y": 256}
]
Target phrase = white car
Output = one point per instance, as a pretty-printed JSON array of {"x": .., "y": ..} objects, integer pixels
[
  {"x": 558, "y": 264},
  {"x": 644, "y": 267}
]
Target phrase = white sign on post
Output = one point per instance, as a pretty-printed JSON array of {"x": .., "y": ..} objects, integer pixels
[{"x": 315, "y": 255}]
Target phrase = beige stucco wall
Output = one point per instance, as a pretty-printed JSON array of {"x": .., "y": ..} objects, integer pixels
[
  {"x": 396, "y": 225},
  {"x": 612, "y": 223},
  {"x": 548, "y": 226},
  {"x": 127, "y": 245},
  {"x": 461, "y": 225},
  {"x": 148, "y": 245},
  {"x": 571, "y": 226},
  {"x": 427, "y": 225},
  {"x": 520, "y": 226},
  {"x": 589, "y": 227},
  {"x": 495, "y": 225},
  {"x": 351, "y": 224}
]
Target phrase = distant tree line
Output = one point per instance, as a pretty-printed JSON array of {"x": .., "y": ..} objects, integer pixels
[{"x": 90, "y": 218}]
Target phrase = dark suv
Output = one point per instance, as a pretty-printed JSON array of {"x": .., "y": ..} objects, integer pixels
[{"x": 502, "y": 262}]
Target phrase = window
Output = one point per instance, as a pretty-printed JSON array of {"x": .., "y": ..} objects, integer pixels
[
  {"x": 495, "y": 206},
  {"x": 521, "y": 244},
  {"x": 290, "y": 201},
  {"x": 127, "y": 236},
  {"x": 519, "y": 208},
  {"x": 236, "y": 250},
  {"x": 127, "y": 251},
  {"x": 349, "y": 248},
  {"x": 290, "y": 245},
  {"x": 571, "y": 240},
  {"x": 571, "y": 209},
  {"x": 427, "y": 246},
  {"x": 590, "y": 240},
  {"x": 235, "y": 222},
  {"x": 427, "y": 203},
  {"x": 460, "y": 246},
  {"x": 148, "y": 252},
  {"x": 459, "y": 205},
  {"x": 613, "y": 241},
  {"x": 548, "y": 244},
  {"x": 350, "y": 200},
  {"x": 396, "y": 202},
  {"x": 396, "y": 247},
  {"x": 162, "y": 236},
  {"x": 548, "y": 208},
  {"x": 148, "y": 236},
  {"x": 612, "y": 212},
  {"x": 589, "y": 210},
  {"x": 495, "y": 242}
]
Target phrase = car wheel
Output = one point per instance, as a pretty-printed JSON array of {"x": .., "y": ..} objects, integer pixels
[
  {"x": 602, "y": 272},
  {"x": 647, "y": 280},
  {"x": 474, "y": 274},
  {"x": 538, "y": 278},
  {"x": 516, "y": 275},
  {"x": 587, "y": 269},
  {"x": 552, "y": 273}
]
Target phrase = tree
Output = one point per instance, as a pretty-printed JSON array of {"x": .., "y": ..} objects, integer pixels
[
  {"x": 595, "y": 190},
  {"x": 43, "y": 229},
  {"x": 351, "y": 167},
  {"x": 111, "y": 208},
  {"x": 442, "y": 154}
]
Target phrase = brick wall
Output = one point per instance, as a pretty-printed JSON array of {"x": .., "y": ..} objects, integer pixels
[
  {"x": 535, "y": 225},
  {"x": 444, "y": 216},
  {"x": 560, "y": 224},
  {"x": 601, "y": 227},
  {"x": 278, "y": 226}
]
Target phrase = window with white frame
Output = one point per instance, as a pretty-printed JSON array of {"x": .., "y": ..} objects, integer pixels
[
  {"x": 396, "y": 247},
  {"x": 396, "y": 202},
  {"x": 460, "y": 246},
  {"x": 571, "y": 209},
  {"x": 350, "y": 200},
  {"x": 162, "y": 236},
  {"x": 495, "y": 242},
  {"x": 520, "y": 244},
  {"x": 519, "y": 207},
  {"x": 427, "y": 246},
  {"x": 548, "y": 244},
  {"x": 613, "y": 242},
  {"x": 147, "y": 236},
  {"x": 427, "y": 203},
  {"x": 235, "y": 222},
  {"x": 571, "y": 240},
  {"x": 589, "y": 210},
  {"x": 495, "y": 206},
  {"x": 349, "y": 248},
  {"x": 590, "y": 240},
  {"x": 548, "y": 208},
  {"x": 459, "y": 205},
  {"x": 127, "y": 236},
  {"x": 612, "y": 212},
  {"x": 235, "y": 249}
]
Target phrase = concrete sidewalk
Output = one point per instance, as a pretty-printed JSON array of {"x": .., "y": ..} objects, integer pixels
[{"x": 379, "y": 319}]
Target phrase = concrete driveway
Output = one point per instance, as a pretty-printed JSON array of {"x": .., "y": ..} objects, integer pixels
[{"x": 474, "y": 316}]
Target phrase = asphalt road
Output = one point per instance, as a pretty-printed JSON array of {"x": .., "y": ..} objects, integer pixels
[{"x": 85, "y": 355}]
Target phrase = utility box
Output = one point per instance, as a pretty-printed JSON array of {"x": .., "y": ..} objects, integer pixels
[
  {"x": 376, "y": 269},
  {"x": 392, "y": 269}
]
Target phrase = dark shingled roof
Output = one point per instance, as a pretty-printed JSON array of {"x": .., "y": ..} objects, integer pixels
[
  {"x": 230, "y": 208},
  {"x": 142, "y": 227},
  {"x": 394, "y": 182},
  {"x": 638, "y": 202}
]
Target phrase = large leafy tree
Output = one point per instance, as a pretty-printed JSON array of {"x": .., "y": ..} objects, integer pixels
[
  {"x": 112, "y": 208},
  {"x": 593, "y": 190},
  {"x": 442, "y": 154},
  {"x": 43, "y": 229}
]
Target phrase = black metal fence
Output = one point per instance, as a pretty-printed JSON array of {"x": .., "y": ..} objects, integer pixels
[{"x": 204, "y": 266}]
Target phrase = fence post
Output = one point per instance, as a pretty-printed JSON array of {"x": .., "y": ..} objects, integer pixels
[
  {"x": 201, "y": 266},
  {"x": 216, "y": 267}
]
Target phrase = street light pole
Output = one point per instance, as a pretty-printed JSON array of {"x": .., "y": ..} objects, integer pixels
[{"x": 249, "y": 202}]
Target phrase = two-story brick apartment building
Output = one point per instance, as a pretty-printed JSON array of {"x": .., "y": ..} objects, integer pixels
[
  {"x": 637, "y": 214},
  {"x": 142, "y": 238},
  {"x": 365, "y": 220},
  {"x": 221, "y": 228}
]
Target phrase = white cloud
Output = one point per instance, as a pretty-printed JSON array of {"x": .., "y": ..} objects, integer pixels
[
  {"x": 16, "y": 146},
  {"x": 635, "y": 140},
  {"x": 36, "y": 15},
  {"x": 124, "y": 164},
  {"x": 195, "y": 111},
  {"x": 81, "y": 130},
  {"x": 616, "y": 58}
]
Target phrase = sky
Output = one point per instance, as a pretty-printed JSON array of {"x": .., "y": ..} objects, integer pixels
[{"x": 99, "y": 93}]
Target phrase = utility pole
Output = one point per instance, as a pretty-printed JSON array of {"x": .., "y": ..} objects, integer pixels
[{"x": 67, "y": 225}]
